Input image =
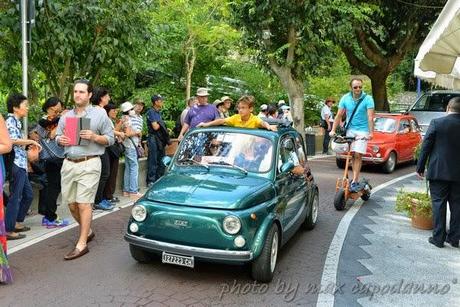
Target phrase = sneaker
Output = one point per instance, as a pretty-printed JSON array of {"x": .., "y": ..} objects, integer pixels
[
  {"x": 58, "y": 223},
  {"x": 114, "y": 200},
  {"x": 354, "y": 187},
  {"x": 104, "y": 205},
  {"x": 45, "y": 221}
]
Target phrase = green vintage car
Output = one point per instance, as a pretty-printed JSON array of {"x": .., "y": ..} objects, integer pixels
[{"x": 230, "y": 195}]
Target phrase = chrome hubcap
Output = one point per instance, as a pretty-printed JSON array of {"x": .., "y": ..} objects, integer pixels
[
  {"x": 274, "y": 252},
  {"x": 314, "y": 210},
  {"x": 391, "y": 161}
]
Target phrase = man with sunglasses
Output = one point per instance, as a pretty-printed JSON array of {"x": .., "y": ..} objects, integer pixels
[{"x": 360, "y": 126}]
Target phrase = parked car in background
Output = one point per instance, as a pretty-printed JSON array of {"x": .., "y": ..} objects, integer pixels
[
  {"x": 396, "y": 137},
  {"x": 230, "y": 195},
  {"x": 431, "y": 105}
]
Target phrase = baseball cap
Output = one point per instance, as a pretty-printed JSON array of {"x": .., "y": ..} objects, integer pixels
[
  {"x": 157, "y": 97},
  {"x": 202, "y": 91},
  {"x": 126, "y": 106},
  {"x": 281, "y": 102},
  {"x": 263, "y": 107}
]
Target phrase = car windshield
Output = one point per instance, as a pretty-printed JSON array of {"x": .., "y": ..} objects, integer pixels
[
  {"x": 243, "y": 152},
  {"x": 384, "y": 124}
]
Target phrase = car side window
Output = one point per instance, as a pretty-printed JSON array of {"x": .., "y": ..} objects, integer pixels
[
  {"x": 404, "y": 126},
  {"x": 287, "y": 152},
  {"x": 414, "y": 126},
  {"x": 421, "y": 104}
]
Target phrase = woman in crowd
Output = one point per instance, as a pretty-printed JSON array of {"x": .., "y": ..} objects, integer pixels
[
  {"x": 5, "y": 146},
  {"x": 53, "y": 156},
  {"x": 115, "y": 151},
  {"x": 132, "y": 139},
  {"x": 101, "y": 98}
]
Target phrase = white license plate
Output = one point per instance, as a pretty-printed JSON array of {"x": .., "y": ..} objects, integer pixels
[{"x": 187, "y": 261}]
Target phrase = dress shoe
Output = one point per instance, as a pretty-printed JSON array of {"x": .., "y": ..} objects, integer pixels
[
  {"x": 452, "y": 243},
  {"x": 76, "y": 253},
  {"x": 90, "y": 237},
  {"x": 15, "y": 236},
  {"x": 432, "y": 241},
  {"x": 22, "y": 229}
]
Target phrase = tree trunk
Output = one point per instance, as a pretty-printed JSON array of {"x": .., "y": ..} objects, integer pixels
[
  {"x": 190, "y": 58},
  {"x": 379, "y": 92},
  {"x": 295, "y": 90}
]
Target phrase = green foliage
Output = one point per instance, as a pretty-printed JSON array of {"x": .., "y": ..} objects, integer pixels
[{"x": 406, "y": 201}]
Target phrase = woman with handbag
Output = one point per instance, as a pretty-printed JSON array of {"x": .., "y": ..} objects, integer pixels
[
  {"x": 132, "y": 151},
  {"x": 115, "y": 152},
  {"x": 53, "y": 156}
]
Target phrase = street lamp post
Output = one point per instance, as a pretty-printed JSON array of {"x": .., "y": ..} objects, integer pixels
[{"x": 25, "y": 88}]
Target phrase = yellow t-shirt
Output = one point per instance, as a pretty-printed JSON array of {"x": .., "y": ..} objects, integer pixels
[{"x": 235, "y": 121}]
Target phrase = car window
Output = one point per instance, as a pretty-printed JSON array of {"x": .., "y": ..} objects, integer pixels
[
  {"x": 253, "y": 153},
  {"x": 414, "y": 126},
  {"x": 404, "y": 126},
  {"x": 299, "y": 150},
  {"x": 287, "y": 152},
  {"x": 435, "y": 103},
  {"x": 384, "y": 124}
]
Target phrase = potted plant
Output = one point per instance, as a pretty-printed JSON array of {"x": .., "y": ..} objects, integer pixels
[{"x": 417, "y": 206}]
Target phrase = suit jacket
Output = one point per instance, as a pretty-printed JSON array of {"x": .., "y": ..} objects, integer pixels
[{"x": 441, "y": 148}]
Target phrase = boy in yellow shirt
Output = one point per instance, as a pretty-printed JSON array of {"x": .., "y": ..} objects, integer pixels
[{"x": 244, "y": 118}]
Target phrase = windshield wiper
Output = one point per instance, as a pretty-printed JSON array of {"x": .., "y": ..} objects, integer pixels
[
  {"x": 194, "y": 162},
  {"x": 232, "y": 165}
]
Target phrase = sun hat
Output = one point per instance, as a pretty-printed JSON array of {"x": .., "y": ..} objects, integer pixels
[
  {"x": 126, "y": 106},
  {"x": 202, "y": 91}
]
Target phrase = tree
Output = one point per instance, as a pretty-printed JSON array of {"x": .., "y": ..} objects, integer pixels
[
  {"x": 289, "y": 37},
  {"x": 199, "y": 26},
  {"x": 376, "y": 35},
  {"x": 89, "y": 38}
]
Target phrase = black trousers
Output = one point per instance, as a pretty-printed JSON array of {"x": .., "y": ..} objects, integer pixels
[
  {"x": 105, "y": 173},
  {"x": 112, "y": 180},
  {"x": 49, "y": 194},
  {"x": 326, "y": 140},
  {"x": 441, "y": 193}
]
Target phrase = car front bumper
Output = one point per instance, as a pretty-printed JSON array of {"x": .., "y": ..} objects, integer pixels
[
  {"x": 198, "y": 252},
  {"x": 365, "y": 159}
]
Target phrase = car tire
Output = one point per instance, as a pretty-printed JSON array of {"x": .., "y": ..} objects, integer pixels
[
  {"x": 390, "y": 164},
  {"x": 139, "y": 254},
  {"x": 263, "y": 268},
  {"x": 339, "y": 200},
  {"x": 340, "y": 163},
  {"x": 310, "y": 220}
]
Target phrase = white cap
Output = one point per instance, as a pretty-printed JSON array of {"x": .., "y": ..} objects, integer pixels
[
  {"x": 263, "y": 107},
  {"x": 126, "y": 106}
]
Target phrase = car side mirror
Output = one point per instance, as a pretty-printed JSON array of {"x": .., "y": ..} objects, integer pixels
[
  {"x": 287, "y": 167},
  {"x": 166, "y": 160}
]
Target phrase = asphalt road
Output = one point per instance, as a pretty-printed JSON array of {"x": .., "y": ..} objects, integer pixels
[{"x": 108, "y": 276}]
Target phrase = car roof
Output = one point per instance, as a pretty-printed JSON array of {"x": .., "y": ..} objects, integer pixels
[
  {"x": 253, "y": 131},
  {"x": 442, "y": 92},
  {"x": 394, "y": 115}
]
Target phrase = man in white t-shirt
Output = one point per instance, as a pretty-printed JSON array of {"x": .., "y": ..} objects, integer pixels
[{"x": 327, "y": 119}]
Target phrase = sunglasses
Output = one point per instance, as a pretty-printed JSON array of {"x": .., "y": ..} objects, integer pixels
[
  {"x": 356, "y": 87},
  {"x": 330, "y": 101},
  {"x": 214, "y": 146}
]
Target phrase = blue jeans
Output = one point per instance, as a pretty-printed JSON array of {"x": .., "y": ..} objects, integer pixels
[
  {"x": 20, "y": 199},
  {"x": 155, "y": 167},
  {"x": 130, "y": 179}
]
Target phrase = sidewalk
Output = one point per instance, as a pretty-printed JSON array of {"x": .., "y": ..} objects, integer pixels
[
  {"x": 39, "y": 232},
  {"x": 386, "y": 262}
]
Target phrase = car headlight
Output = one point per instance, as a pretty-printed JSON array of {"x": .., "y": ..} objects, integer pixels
[
  {"x": 232, "y": 224},
  {"x": 139, "y": 213},
  {"x": 375, "y": 149}
]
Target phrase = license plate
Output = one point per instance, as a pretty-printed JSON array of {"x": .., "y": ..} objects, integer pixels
[{"x": 187, "y": 261}]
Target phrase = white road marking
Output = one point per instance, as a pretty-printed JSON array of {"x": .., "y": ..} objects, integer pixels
[{"x": 331, "y": 264}]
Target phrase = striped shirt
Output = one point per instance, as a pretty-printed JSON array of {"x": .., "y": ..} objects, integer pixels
[{"x": 14, "y": 127}]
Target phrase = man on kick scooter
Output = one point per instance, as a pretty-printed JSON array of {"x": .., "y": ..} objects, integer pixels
[{"x": 359, "y": 109}]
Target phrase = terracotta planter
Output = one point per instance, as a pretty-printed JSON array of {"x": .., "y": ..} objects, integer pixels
[
  {"x": 421, "y": 221},
  {"x": 171, "y": 149}
]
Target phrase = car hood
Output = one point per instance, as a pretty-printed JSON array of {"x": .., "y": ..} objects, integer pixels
[
  {"x": 381, "y": 138},
  {"x": 208, "y": 190}
]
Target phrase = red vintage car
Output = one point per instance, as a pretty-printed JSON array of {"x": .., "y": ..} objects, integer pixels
[{"x": 395, "y": 138}]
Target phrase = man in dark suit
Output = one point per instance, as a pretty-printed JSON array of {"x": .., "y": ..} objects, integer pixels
[{"x": 441, "y": 147}]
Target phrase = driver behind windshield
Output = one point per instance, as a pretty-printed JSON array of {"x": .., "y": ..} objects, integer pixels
[
  {"x": 252, "y": 154},
  {"x": 244, "y": 118}
]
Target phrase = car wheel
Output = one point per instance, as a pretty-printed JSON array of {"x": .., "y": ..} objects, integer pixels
[
  {"x": 339, "y": 200},
  {"x": 139, "y": 254},
  {"x": 340, "y": 163},
  {"x": 310, "y": 220},
  {"x": 263, "y": 267},
  {"x": 390, "y": 163}
]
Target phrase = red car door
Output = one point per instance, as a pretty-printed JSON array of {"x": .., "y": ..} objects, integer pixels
[{"x": 403, "y": 141}]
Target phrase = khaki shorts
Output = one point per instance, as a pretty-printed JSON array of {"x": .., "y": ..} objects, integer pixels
[
  {"x": 359, "y": 146},
  {"x": 79, "y": 181}
]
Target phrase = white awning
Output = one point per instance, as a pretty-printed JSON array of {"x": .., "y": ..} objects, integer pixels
[{"x": 438, "y": 59}]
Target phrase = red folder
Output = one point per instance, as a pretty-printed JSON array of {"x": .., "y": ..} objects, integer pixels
[{"x": 73, "y": 126}]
